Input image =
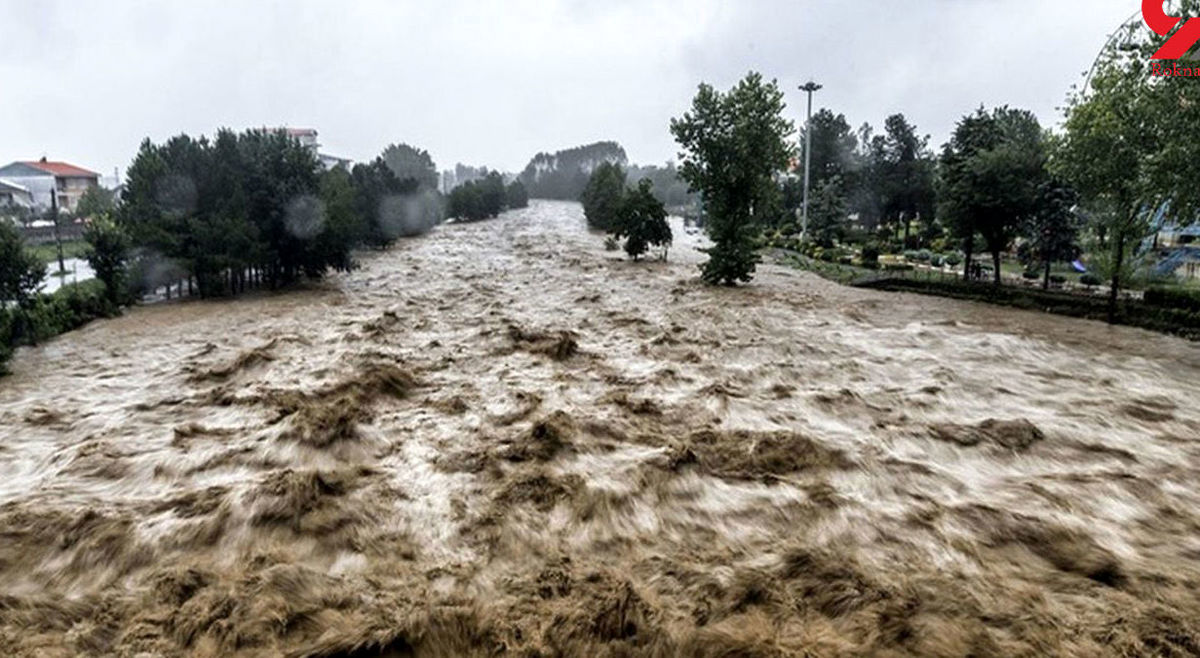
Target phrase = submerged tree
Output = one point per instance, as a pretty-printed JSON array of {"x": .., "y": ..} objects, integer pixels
[
  {"x": 642, "y": 221},
  {"x": 602, "y": 196},
  {"x": 734, "y": 144}
]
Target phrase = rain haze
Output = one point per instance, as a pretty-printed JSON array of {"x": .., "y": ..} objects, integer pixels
[
  {"x": 558, "y": 328},
  {"x": 492, "y": 83}
]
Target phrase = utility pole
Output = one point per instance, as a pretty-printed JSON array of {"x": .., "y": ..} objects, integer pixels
[
  {"x": 62, "y": 269},
  {"x": 811, "y": 88}
]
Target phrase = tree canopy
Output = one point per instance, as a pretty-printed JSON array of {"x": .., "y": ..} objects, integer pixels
[
  {"x": 602, "y": 196},
  {"x": 641, "y": 220},
  {"x": 734, "y": 144}
]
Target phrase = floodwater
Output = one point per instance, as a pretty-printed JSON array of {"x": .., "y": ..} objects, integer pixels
[
  {"x": 77, "y": 271},
  {"x": 500, "y": 439}
]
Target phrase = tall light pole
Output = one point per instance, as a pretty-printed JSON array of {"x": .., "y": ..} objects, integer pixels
[{"x": 811, "y": 87}]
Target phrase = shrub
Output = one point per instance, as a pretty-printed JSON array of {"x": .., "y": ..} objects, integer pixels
[
  {"x": 1031, "y": 275},
  {"x": 911, "y": 256},
  {"x": 924, "y": 256},
  {"x": 1090, "y": 280},
  {"x": 1058, "y": 279},
  {"x": 611, "y": 244},
  {"x": 954, "y": 260},
  {"x": 1173, "y": 297},
  {"x": 870, "y": 255}
]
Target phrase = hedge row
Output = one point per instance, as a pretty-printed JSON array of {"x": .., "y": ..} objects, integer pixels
[
  {"x": 1180, "y": 298},
  {"x": 49, "y": 315},
  {"x": 1178, "y": 321}
]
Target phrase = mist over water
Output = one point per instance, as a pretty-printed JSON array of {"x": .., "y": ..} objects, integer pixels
[{"x": 499, "y": 437}]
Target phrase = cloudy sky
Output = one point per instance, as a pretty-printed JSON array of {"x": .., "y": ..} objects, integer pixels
[{"x": 492, "y": 82}]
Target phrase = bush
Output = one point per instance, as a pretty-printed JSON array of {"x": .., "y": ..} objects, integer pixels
[
  {"x": 611, "y": 244},
  {"x": 870, "y": 255},
  {"x": 1031, "y": 275},
  {"x": 1174, "y": 297},
  {"x": 937, "y": 260},
  {"x": 1090, "y": 280},
  {"x": 912, "y": 256},
  {"x": 954, "y": 260},
  {"x": 1058, "y": 279},
  {"x": 924, "y": 256}
]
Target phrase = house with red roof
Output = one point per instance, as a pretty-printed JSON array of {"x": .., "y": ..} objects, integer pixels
[{"x": 44, "y": 179}]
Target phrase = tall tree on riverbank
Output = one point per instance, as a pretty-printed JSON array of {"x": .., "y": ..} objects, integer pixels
[
  {"x": 1052, "y": 229},
  {"x": 107, "y": 254},
  {"x": 1130, "y": 146},
  {"x": 991, "y": 172},
  {"x": 734, "y": 144},
  {"x": 21, "y": 272}
]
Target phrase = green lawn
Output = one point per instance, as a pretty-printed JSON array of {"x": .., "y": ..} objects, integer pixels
[{"x": 48, "y": 253}]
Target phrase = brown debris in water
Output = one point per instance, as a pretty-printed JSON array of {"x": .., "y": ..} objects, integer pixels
[
  {"x": 332, "y": 415},
  {"x": 1012, "y": 434},
  {"x": 244, "y": 361},
  {"x": 746, "y": 455},
  {"x": 558, "y": 345},
  {"x": 544, "y": 440}
]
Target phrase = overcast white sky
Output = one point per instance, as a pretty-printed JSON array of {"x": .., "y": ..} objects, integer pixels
[{"x": 492, "y": 82}]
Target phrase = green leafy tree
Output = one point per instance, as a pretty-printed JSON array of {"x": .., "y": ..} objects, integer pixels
[
  {"x": 991, "y": 172},
  {"x": 903, "y": 175},
  {"x": 408, "y": 162},
  {"x": 828, "y": 212},
  {"x": 108, "y": 255},
  {"x": 602, "y": 196},
  {"x": 493, "y": 194},
  {"x": 95, "y": 202},
  {"x": 1052, "y": 230},
  {"x": 21, "y": 273},
  {"x": 642, "y": 221},
  {"x": 517, "y": 196},
  {"x": 734, "y": 144}
]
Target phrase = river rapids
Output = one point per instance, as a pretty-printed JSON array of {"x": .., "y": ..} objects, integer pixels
[{"x": 499, "y": 439}]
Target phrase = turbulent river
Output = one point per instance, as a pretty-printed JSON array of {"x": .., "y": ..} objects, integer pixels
[{"x": 500, "y": 439}]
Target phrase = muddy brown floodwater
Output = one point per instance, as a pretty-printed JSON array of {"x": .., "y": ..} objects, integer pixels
[{"x": 500, "y": 439}]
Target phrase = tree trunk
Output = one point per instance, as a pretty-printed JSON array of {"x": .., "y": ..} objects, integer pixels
[
  {"x": 967, "y": 261},
  {"x": 996, "y": 264},
  {"x": 907, "y": 228},
  {"x": 1114, "y": 293},
  {"x": 1046, "y": 280}
]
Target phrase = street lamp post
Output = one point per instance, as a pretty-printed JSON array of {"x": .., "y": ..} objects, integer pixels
[{"x": 811, "y": 87}]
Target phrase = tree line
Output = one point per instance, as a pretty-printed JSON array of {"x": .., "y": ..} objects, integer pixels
[
  {"x": 216, "y": 217},
  {"x": 486, "y": 197},
  {"x": 633, "y": 214},
  {"x": 1128, "y": 152}
]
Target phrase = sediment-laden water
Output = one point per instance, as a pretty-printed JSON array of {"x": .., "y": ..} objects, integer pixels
[{"x": 499, "y": 439}]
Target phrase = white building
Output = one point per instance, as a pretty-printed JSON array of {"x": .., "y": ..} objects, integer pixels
[
  {"x": 43, "y": 179},
  {"x": 308, "y": 139},
  {"x": 13, "y": 194}
]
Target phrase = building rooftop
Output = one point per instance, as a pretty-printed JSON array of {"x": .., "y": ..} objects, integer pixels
[{"x": 60, "y": 169}]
